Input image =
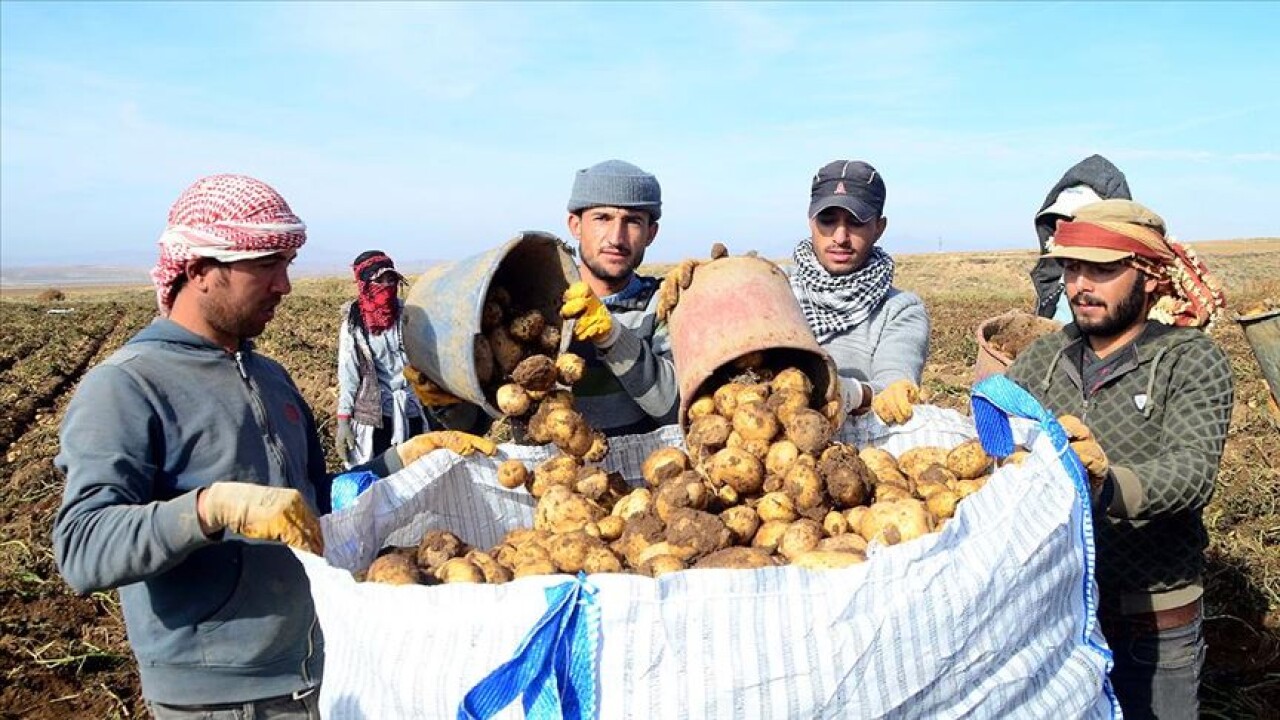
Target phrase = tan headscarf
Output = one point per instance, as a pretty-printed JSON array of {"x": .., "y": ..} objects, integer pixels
[{"x": 1113, "y": 230}]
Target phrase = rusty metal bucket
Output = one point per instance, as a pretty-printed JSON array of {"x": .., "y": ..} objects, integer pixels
[
  {"x": 1262, "y": 330},
  {"x": 992, "y": 360},
  {"x": 443, "y": 307},
  {"x": 736, "y": 306}
]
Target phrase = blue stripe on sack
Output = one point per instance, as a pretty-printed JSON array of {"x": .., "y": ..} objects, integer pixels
[
  {"x": 996, "y": 399},
  {"x": 554, "y": 668}
]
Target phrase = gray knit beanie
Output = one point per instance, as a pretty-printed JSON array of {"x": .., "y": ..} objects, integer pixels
[{"x": 616, "y": 184}]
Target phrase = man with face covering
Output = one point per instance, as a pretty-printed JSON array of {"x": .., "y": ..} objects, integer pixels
[
  {"x": 376, "y": 406},
  {"x": 877, "y": 335},
  {"x": 1146, "y": 397},
  {"x": 1088, "y": 181}
]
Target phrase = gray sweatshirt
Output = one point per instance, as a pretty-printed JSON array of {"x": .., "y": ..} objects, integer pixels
[{"x": 211, "y": 620}]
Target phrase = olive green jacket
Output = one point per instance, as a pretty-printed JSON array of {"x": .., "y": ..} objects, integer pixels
[{"x": 1161, "y": 418}]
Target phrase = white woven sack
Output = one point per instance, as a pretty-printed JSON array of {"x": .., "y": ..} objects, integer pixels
[{"x": 985, "y": 619}]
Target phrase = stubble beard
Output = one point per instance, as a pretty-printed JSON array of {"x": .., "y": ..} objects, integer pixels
[{"x": 1127, "y": 313}]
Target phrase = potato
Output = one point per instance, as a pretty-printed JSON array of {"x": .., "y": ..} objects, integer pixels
[
  {"x": 752, "y": 394},
  {"x": 845, "y": 477},
  {"x": 592, "y": 482},
  {"x": 703, "y": 406},
  {"x": 663, "y": 464},
  {"x": 827, "y": 559},
  {"x": 569, "y": 368},
  {"x": 792, "y": 380},
  {"x": 527, "y": 326},
  {"x": 803, "y": 484},
  {"x": 683, "y": 491},
  {"x": 664, "y": 547},
  {"x": 809, "y": 430},
  {"x": 889, "y": 493},
  {"x": 737, "y": 468},
  {"x": 699, "y": 531},
  {"x": 459, "y": 570},
  {"x": 727, "y": 495},
  {"x": 758, "y": 448},
  {"x": 909, "y": 518},
  {"x": 965, "y": 488},
  {"x": 737, "y": 558},
  {"x": 942, "y": 504},
  {"x": 636, "y": 502},
  {"x": 926, "y": 490},
  {"x": 493, "y": 571},
  {"x": 599, "y": 447},
  {"x": 726, "y": 398},
  {"x": 560, "y": 510},
  {"x": 1017, "y": 457},
  {"x": 559, "y": 470},
  {"x": 935, "y": 474},
  {"x": 394, "y": 569},
  {"x": 641, "y": 531},
  {"x": 848, "y": 542},
  {"x": 709, "y": 431},
  {"x": 490, "y": 315},
  {"x": 530, "y": 560},
  {"x": 513, "y": 401},
  {"x": 485, "y": 363},
  {"x": 436, "y": 547},
  {"x": 512, "y": 474},
  {"x": 752, "y": 421},
  {"x": 784, "y": 404},
  {"x": 769, "y": 534},
  {"x": 968, "y": 460},
  {"x": 660, "y": 565},
  {"x": 549, "y": 339},
  {"x": 777, "y": 506},
  {"x": 569, "y": 550},
  {"x": 915, "y": 461},
  {"x": 835, "y": 523},
  {"x": 742, "y": 521},
  {"x": 884, "y": 466},
  {"x": 507, "y": 351},
  {"x": 601, "y": 560},
  {"x": 780, "y": 457},
  {"x": 536, "y": 372},
  {"x": 800, "y": 537},
  {"x": 610, "y": 527},
  {"x": 855, "y": 516},
  {"x": 557, "y": 398}
]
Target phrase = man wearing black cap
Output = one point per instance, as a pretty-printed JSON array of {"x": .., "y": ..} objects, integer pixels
[
  {"x": 877, "y": 335},
  {"x": 376, "y": 406}
]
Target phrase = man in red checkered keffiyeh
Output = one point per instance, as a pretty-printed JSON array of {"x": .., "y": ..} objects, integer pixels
[{"x": 226, "y": 218}]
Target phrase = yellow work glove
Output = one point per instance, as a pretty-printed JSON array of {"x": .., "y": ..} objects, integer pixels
[
  {"x": 455, "y": 440},
  {"x": 1086, "y": 448},
  {"x": 893, "y": 404},
  {"x": 594, "y": 323},
  {"x": 260, "y": 512},
  {"x": 429, "y": 393},
  {"x": 679, "y": 279}
]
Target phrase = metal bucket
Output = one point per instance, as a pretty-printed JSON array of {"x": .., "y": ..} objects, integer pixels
[
  {"x": 736, "y": 306},
  {"x": 443, "y": 307},
  {"x": 991, "y": 361},
  {"x": 1262, "y": 330}
]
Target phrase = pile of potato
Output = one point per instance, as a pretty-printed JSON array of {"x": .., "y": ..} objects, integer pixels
[{"x": 759, "y": 483}]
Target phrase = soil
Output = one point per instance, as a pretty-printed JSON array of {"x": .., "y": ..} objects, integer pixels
[
  {"x": 66, "y": 656},
  {"x": 1014, "y": 332}
]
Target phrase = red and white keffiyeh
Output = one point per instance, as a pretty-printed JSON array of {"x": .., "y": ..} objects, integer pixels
[{"x": 227, "y": 218}]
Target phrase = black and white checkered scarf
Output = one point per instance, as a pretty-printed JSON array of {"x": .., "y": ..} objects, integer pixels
[{"x": 833, "y": 304}]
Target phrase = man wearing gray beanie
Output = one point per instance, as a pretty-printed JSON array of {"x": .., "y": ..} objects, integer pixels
[{"x": 629, "y": 385}]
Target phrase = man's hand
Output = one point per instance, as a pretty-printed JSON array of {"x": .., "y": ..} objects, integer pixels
[
  {"x": 893, "y": 404},
  {"x": 594, "y": 323},
  {"x": 429, "y": 393},
  {"x": 260, "y": 512},
  {"x": 1087, "y": 449},
  {"x": 345, "y": 438},
  {"x": 679, "y": 279},
  {"x": 455, "y": 440}
]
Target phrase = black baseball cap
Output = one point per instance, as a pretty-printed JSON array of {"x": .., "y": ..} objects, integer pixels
[{"x": 849, "y": 184}]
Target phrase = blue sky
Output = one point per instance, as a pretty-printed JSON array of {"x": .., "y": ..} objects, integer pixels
[{"x": 436, "y": 131}]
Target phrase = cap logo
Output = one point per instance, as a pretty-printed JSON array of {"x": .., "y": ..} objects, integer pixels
[
  {"x": 1140, "y": 401},
  {"x": 840, "y": 188}
]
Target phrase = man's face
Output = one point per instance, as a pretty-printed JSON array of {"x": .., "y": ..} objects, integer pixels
[
  {"x": 841, "y": 243},
  {"x": 242, "y": 296},
  {"x": 612, "y": 240},
  {"x": 1107, "y": 299}
]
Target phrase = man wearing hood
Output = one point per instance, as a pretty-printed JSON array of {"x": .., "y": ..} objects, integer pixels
[{"x": 1088, "y": 181}]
